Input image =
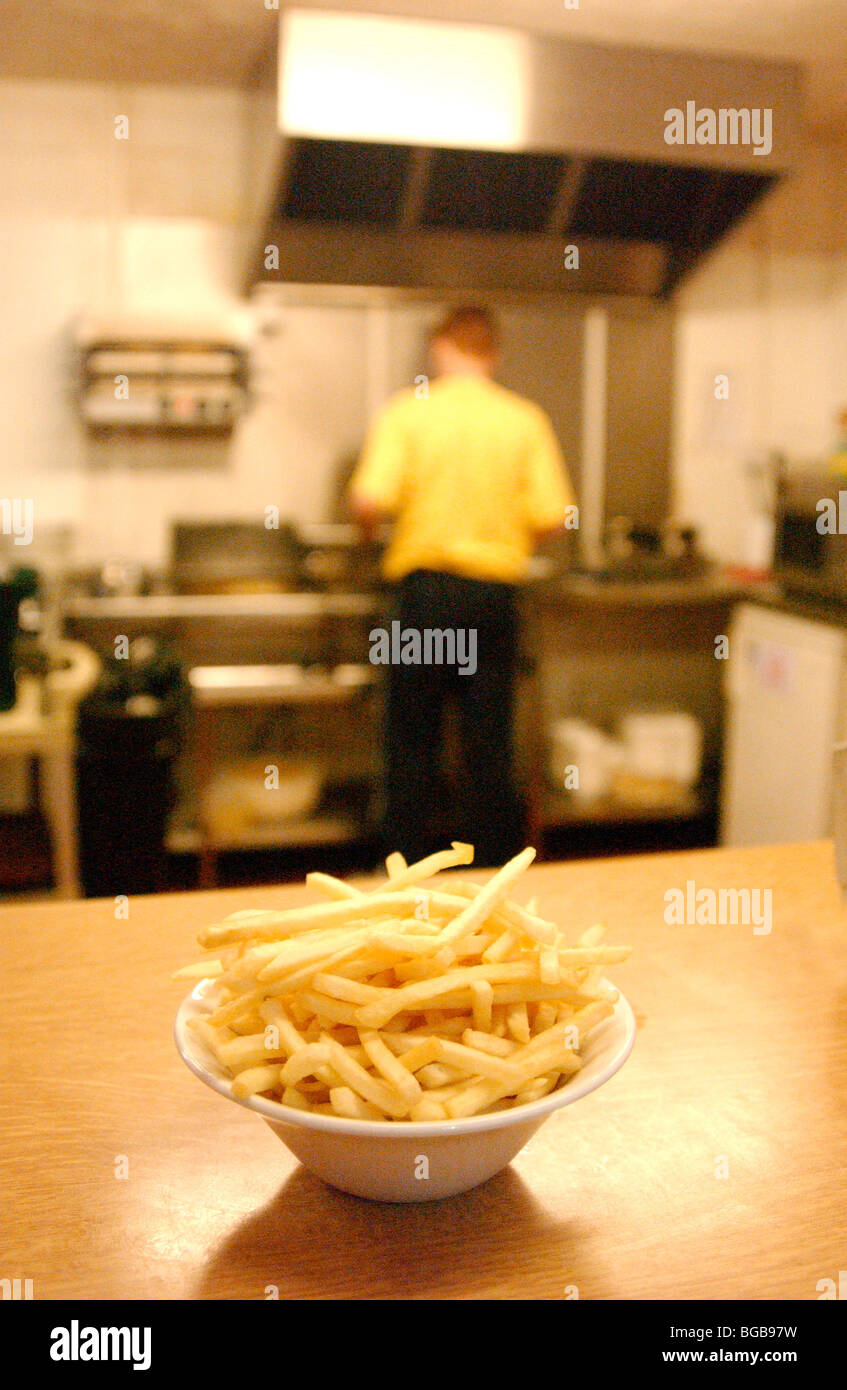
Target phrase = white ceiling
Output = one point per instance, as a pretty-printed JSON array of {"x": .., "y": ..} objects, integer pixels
[{"x": 223, "y": 42}]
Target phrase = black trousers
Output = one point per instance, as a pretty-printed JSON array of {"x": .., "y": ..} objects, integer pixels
[{"x": 487, "y": 811}]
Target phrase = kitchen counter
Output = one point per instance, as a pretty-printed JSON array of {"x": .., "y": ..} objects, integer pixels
[
  {"x": 577, "y": 589},
  {"x": 713, "y": 1165},
  {"x": 799, "y": 605},
  {"x": 569, "y": 588},
  {"x": 583, "y": 590},
  {"x": 153, "y": 608}
]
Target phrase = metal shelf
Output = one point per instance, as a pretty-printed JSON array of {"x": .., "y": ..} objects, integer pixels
[
  {"x": 290, "y": 607},
  {"x": 304, "y": 831},
  {"x": 558, "y": 809},
  {"x": 219, "y": 686}
]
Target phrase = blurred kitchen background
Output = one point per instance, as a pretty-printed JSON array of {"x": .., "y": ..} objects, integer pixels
[{"x": 220, "y": 255}]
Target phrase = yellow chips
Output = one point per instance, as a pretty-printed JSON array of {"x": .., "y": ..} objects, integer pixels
[{"x": 402, "y": 1003}]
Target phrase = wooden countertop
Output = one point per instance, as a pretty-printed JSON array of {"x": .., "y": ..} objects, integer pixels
[{"x": 740, "y": 1066}]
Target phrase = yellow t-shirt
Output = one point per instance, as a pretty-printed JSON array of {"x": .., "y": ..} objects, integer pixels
[{"x": 470, "y": 473}]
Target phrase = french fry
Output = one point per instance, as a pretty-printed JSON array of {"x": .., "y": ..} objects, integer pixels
[
  {"x": 384, "y": 1097},
  {"x": 420, "y": 1053},
  {"x": 296, "y": 1099},
  {"x": 214, "y": 1037},
  {"x": 525, "y": 919},
  {"x": 304, "y": 1062},
  {"x": 486, "y": 1092},
  {"x": 436, "y": 1074},
  {"x": 475, "y": 1062},
  {"x": 329, "y": 1010},
  {"x": 488, "y": 897},
  {"x": 275, "y": 1016},
  {"x": 200, "y": 970},
  {"x": 549, "y": 966},
  {"x": 249, "y": 1051},
  {"x": 517, "y": 1021},
  {"x": 487, "y": 1042},
  {"x": 502, "y": 945},
  {"x": 347, "y": 1104},
  {"x": 327, "y": 951},
  {"x": 428, "y": 1109},
  {"x": 428, "y": 868},
  {"x": 363, "y": 1007},
  {"x": 332, "y": 887},
  {"x": 482, "y": 1000},
  {"x": 400, "y": 1078},
  {"x": 235, "y": 1008},
  {"x": 255, "y": 1080},
  {"x": 538, "y": 1087},
  {"x": 378, "y": 1013},
  {"x": 546, "y": 1014},
  {"x": 395, "y": 864},
  {"x": 295, "y": 921},
  {"x": 352, "y": 991}
]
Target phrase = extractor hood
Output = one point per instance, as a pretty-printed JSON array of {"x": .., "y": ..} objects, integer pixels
[{"x": 407, "y": 153}]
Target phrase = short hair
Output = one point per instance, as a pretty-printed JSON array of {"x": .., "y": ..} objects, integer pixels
[{"x": 471, "y": 328}]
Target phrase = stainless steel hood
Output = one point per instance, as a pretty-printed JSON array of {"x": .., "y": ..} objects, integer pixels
[{"x": 586, "y": 192}]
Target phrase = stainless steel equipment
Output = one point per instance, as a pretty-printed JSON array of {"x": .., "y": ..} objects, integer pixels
[
  {"x": 811, "y": 535},
  {"x": 233, "y": 557},
  {"x": 641, "y": 553},
  {"x": 587, "y": 162}
]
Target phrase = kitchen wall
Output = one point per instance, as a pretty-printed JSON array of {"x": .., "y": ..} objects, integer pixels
[
  {"x": 89, "y": 222},
  {"x": 768, "y": 310}
]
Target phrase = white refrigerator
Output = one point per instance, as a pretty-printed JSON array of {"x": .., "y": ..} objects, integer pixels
[{"x": 785, "y": 709}]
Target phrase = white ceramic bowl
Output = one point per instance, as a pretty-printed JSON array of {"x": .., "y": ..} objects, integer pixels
[{"x": 384, "y": 1160}]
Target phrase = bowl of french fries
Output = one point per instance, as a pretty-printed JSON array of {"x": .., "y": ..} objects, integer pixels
[{"x": 404, "y": 1041}]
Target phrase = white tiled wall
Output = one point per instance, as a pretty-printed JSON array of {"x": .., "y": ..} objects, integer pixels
[
  {"x": 93, "y": 223},
  {"x": 768, "y": 308},
  {"x": 90, "y": 223}
]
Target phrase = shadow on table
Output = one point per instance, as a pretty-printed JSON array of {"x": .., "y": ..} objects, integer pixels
[{"x": 314, "y": 1242}]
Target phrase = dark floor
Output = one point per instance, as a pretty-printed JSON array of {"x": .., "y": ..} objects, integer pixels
[
  {"x": 25, "y": 856},
  {"x": 642, "y": 837},
  {"x": 25, "y": 863}
]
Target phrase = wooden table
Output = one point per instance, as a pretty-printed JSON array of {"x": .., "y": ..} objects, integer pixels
[{"x": 739, "y": 1068}]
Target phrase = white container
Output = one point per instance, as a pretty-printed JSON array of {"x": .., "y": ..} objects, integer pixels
[
  {"x": 240, "y": 796},
  {"x": 577, "y": 745},
  {"x": 663, "y": 744}
]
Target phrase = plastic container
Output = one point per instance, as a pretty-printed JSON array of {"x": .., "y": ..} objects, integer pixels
[
  {"x": 575, "y": 744},
  {"x": 242, "y": 795},
  {"x": 662, "y": 744}
]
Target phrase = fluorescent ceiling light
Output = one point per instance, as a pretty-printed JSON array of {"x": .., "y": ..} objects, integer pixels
[{"x": 402, "y": 81}]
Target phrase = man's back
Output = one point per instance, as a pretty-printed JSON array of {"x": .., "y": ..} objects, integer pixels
[{"x": 471, "y": 472}]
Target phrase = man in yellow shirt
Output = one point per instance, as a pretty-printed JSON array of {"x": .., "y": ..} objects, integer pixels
[{"x": 472, "y": 476}]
